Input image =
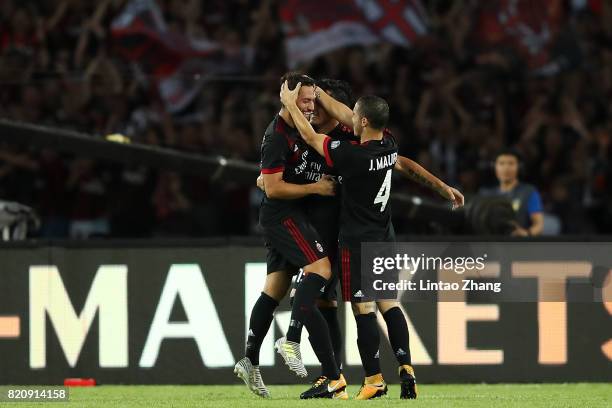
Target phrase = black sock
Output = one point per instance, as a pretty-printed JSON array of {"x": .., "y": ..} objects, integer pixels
[
  {"x": 259, "y": 324},
  {"x": 304, "y": 312},
  {"x": 368, "y": 341},
  {"x": 321, "y": 344},
  {"x": 330, "y": 314},
  {"x": 398, "y": 335},
  {"x": 306, "y": 294}
]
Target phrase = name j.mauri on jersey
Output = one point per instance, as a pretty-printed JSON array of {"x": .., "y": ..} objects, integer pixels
[{"x": 383, "y": 162}]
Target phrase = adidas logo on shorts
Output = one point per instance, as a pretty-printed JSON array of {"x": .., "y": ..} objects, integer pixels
[
  {"x": 358, "y": 294},
  {"x": 400, "y": 352}
]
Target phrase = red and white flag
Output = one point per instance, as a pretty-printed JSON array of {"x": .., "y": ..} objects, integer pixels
[
  {"x": 400, "y": 22},
  {"x": 315, "y": 27}
]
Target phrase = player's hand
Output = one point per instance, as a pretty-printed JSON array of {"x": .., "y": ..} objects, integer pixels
[
  {"x": 260, "y": 183},
  {"x": 289, "y": 97},
  {"x": 326, "y": 186},
  {"x": 453, "y": 195}
]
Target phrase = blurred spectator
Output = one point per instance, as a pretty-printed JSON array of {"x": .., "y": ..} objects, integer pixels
[
  {"x": 88, "y": 187},
  {"x": 524, "y": 197},
  {"x": 172, "y": 207}
]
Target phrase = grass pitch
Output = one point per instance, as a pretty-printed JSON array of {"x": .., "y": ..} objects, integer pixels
[{"x": 237, "y": 396}]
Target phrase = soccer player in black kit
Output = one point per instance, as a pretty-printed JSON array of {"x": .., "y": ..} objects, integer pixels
[
  {"x": 323, "y": 212},
  {"x": 366, "y": 169},
  {"x": 292, "y": 244}
]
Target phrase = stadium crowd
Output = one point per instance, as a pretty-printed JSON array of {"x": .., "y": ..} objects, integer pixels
[{"x": 456, "y": 97}]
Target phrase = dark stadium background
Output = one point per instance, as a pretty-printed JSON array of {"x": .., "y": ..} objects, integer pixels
[{"x": 459, "y": 93}]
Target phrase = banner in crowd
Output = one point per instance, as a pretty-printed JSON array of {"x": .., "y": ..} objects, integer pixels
[
  {"x": 176, "y": 63},
  {"x": 313, "y": 28},
  {"x": 134, "y": 314}
]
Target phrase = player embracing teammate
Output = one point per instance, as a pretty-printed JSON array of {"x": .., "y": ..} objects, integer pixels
[{"x": 293, "y": 244}]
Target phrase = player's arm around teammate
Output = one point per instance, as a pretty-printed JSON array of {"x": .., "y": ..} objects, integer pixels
[
  {"x": 276, "y": 187},
  {"x": 336, "y": 109},
  {"x": 407, "y": 167},
  {"x": 325, "y": 186}
]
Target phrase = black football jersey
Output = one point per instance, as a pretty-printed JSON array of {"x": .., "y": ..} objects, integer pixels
[
  {"x": 283, "y": 150},
  {"x": 324, "y": 212},
  {"x": 340, "y": 132},
  {"x": 366, "y": 171}
]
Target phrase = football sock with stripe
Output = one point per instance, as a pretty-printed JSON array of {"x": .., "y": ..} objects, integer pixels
[
  {"x": 259, "y": 324},
  {"x": 398, "y": 335},
  {"x": 368, "y": 342}
]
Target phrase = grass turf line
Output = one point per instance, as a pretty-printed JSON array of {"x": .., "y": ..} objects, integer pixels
[{"x": 235, "y": 396}]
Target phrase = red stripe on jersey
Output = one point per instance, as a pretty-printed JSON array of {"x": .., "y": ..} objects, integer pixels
[
  {"x": 273, "y": 170},
  {"x": 300, "y": 240},
  {"x": 281, "y": 127},
  {"x": 328, "y": 158}
]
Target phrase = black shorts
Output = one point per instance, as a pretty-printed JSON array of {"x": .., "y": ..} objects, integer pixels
[
  {"x": 349, "y": 265},
  {"x": 358, "y": 287},
  {"x": 324, "y": 215},
  {"x": 292, "y": 244}
]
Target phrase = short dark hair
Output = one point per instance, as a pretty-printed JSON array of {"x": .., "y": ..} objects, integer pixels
[
  {"x": 509, "y": 151},
  {"x": 375, "y": 110},
  {"x": 339, "y": 90},
  {"x": 294, "y": 77}
]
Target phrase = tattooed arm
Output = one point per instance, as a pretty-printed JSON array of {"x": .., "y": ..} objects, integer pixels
[{"x": 416, "y": 172}]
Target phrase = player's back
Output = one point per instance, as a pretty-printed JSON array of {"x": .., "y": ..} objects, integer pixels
[{"x": 366, "y": 171}]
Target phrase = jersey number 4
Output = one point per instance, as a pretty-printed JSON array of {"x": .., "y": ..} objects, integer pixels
[{"x": 385, "y": 191}]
